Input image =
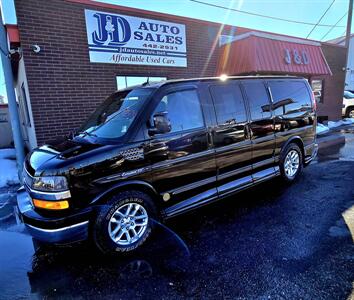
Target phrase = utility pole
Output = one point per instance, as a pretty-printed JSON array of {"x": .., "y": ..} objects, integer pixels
[
  {"x": 347, "y": 38},
  {"x": 13, "y": 110},
  {"x": 349, "y": 25}
]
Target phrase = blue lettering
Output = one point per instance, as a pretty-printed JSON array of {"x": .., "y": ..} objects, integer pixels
[{"x": 112, "y": 30}]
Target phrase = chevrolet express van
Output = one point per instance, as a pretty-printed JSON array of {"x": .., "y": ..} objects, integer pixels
[{"x": 158, "y": 150}]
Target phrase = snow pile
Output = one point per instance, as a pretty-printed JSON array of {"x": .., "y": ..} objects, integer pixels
[
  {"x": 321, "y": 129},
  {"x": 346, "y": 121},
  {"x": 8, "y": 153},
  {"x": 8, "y": 169}
]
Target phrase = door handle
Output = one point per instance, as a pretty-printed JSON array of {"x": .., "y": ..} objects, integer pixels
[
  {"x": 209, "y": 137},
  {"x": 248, "y": 132}
]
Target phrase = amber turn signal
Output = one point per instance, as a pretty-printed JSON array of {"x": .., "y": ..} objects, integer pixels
[{"x": 53, "y": 205}]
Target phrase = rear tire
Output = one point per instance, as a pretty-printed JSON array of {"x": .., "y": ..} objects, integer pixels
[
  {"x": 291, "y": 162},
  {"x": 124, "y": 224}
]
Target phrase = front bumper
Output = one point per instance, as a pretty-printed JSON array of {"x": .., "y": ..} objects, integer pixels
[{"x": 68, "y": 229}]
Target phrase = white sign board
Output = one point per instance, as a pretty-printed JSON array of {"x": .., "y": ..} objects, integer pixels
[{"x": 119, "y": 39}]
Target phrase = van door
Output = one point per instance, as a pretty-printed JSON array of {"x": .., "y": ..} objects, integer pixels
[
  {"x": 231, "y": 137},
  {"x": 261, "y": 126},
  {"x": 182, "y": 161}
]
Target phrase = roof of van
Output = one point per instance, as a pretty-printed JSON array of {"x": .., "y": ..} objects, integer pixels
[{"x": 157, "y": 84}]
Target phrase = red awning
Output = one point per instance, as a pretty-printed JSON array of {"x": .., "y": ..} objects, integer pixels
[{"x": 261, "y": 53}]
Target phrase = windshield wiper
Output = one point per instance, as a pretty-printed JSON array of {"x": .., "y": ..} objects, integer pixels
[{"x": 85, "y": 133}]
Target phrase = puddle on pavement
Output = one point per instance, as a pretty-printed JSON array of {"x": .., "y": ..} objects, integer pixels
[
  {"x": 81, "y": 271},
  {"x": 34, "y": 270},
  {"x": 7, "y": 204},
  {"x": 15, "y": 261}
]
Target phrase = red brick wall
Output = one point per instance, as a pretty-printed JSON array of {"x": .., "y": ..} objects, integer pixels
[
  {"x": 64, "y": 86},
  {"x": 333, "y": 85}
]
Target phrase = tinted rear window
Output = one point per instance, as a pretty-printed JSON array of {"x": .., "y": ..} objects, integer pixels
[{"x": 290, "y": 97}]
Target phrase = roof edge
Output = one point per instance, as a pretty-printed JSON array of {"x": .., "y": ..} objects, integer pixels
[{"x": 276, "y": 37}]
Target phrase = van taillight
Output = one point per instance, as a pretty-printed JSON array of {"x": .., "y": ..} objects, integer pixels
[{"x": 314, "y": 104}]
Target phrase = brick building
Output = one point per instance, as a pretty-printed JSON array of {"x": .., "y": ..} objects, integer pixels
[
  {"x": 349, "y": 78},
  {"x": 75, "y": 52}
]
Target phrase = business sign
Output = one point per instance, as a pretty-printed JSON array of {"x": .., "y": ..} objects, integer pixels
[
  {"x": 297, "y": 57},
  {"x": 120, "y": 39}
]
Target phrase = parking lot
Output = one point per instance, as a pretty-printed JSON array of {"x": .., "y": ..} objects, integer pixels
[{"x": 271, "y": 241}]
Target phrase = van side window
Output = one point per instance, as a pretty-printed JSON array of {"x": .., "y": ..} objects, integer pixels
[
  {"x": 290, "y": 97},
  {"x": 258, "y": 100},
  {"x": 183, "y": 110},
  {"x": 229, "y": 105}
]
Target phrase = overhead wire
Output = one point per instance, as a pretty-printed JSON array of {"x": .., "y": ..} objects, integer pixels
[
  {"x": 333, "y": 26},
  {"x": 318, "y": 22},
  {"x": 264, "y": 16}
]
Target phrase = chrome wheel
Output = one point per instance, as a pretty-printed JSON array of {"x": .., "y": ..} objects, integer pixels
[
  {"x": 291, "y": 163},
  {"x": 128, "y": 224},
  {"x": 351, "y": 113}
]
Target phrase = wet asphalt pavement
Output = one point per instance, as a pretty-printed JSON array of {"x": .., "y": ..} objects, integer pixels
[{"x": 269, "y": 242}]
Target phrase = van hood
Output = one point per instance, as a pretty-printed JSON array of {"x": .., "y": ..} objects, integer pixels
[{"x": 57, "y": 155}]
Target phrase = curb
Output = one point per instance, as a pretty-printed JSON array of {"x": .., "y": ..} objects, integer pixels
[{"x": 330, "y": 140}]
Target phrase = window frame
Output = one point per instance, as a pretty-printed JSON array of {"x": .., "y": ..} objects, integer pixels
[{"x": 171, "y": 90}]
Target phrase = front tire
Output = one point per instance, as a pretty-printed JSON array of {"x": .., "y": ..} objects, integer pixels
[
  {"x": 125, "y": 223},
  {"x": 291, "y": 163}
]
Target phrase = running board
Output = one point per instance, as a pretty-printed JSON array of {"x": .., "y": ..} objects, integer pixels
[{"x": 221, "y": 192}]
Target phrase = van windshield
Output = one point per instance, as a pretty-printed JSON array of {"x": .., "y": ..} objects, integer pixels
[{"x": 113, "y": 118}]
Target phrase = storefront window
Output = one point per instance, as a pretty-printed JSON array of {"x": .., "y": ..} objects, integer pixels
[
  {"x": 317, "y": 88},
  {"x": 126, "y": 81}
]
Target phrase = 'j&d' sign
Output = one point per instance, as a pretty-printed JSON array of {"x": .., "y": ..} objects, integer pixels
[{"x": 122, "y": 39}]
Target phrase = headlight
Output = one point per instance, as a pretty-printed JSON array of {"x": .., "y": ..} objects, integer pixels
[{"x": 50, "y": 184}]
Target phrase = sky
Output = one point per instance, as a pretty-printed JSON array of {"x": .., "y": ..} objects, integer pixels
[{"x": 300, "y": 10}]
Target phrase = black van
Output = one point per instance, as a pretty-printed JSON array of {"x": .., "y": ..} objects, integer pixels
[{"x": 154, "y": 151}]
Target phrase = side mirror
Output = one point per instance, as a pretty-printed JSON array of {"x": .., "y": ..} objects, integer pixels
[{"x": 161, "y": 124}]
